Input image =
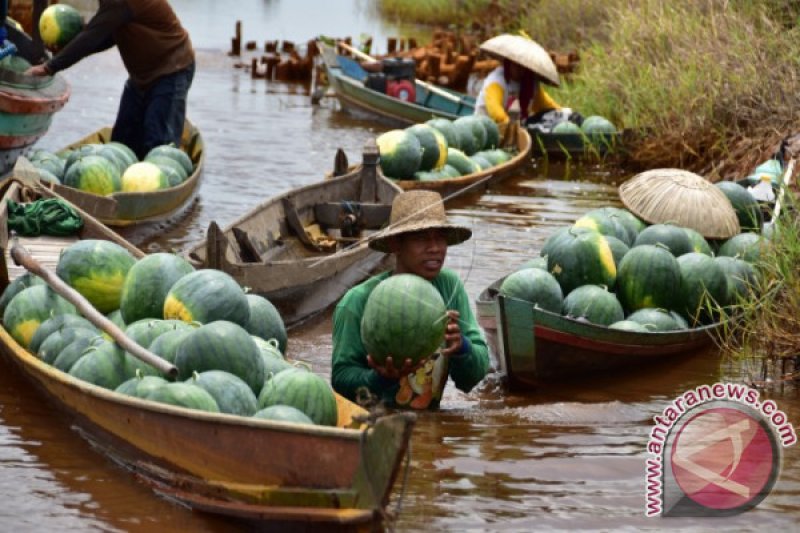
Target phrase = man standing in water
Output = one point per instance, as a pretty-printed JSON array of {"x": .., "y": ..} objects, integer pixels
[
  {"x": 159, "y": 58},
  {"x": 418, "y": 235}
]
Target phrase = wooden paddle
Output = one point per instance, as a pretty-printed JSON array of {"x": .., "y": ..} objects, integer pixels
[
  {"x": 428, "y": 86},
  {"x": 22, "y": 257}
]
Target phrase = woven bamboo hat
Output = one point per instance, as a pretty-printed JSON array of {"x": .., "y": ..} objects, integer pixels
[
  {"x": 416, "y": 211},
  {"x": 669, "y": 195},
  {"x": 524, "y": 51}
]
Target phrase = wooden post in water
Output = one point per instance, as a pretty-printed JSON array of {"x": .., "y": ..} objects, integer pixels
[{"x": 236, "y": 41}]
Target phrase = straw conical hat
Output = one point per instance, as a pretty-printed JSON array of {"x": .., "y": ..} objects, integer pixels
[
  {"x": 669, "y": 195},
  {"x": 524, "y": 51}
]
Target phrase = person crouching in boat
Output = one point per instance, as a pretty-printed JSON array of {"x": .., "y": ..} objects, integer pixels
[
  {"x": 418, "y": 236},
  {"x": 525, "y": 68}
]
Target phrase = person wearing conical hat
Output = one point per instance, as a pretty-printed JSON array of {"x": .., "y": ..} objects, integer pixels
[
  {"x": 525, "y": 67},
  {"x": 418, "y": 235}
]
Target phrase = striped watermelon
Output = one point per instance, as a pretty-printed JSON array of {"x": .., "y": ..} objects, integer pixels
[
  {"x": 272, "y": 357},
  {"x": 74, "y": 351},
  {"x": 704, "y": 287},
  {"x": 445, "y": 127},
  {"x": 304, "y": 390},
  {"x": 147, "y": 284},
  {"x": 595, "y": 304},
  {"x": 53, "y": 345},
  {"x": 582, "y": 259},
  {"x": 649, "y": 276},
  {"x": 434, "y": 146},
  {"x": 534, "y": 285},
  {"x": 96, "y": 269},
  {"x": 183, "y": 395},
  {"x": 400, "y": 154},
  {"x": 59, "y": 24},
  {"x": 232, "y": 395},
  {"x": 166, "y": 345},
  {"x": 265, "y": 321},
  {"x": 57, "y": 323},
  {"x": 103, "y": 364},
  {"x": 655, "y": 319},
  {"x": 144, "y": 332},
  {"x": 205, "y": 296},
  {"x": 18, "y": 285},
  {"x": 673, "y": 237},
  {"x": 94, "y": 174},
  {"x": 140, "y": 386},
  {"x": 405, "y": 317},
  {"x": 176, "y": 154},
  {"x": 283, "y": 413},
  {"x": 225, "y": 346},
  {"x": 30, "y": 308}
]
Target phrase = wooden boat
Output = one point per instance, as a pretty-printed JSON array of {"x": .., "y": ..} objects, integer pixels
[
  {"x": 533, "y": 346},
  {"x": 304, "y": 249},
  {"x": 252, "y": 469},
  {"x": 121, "y": 209},
  {"x": 346, "y": 76},
  {"x": 27, "y": 103}
]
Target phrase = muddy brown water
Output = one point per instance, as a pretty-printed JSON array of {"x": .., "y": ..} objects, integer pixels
[{"x": 569, "y": 456}]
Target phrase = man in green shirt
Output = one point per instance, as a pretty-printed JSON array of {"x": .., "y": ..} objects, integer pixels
[{"x": 418, "y": 235}]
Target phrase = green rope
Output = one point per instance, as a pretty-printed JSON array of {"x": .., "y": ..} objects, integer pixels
[{"x": 51, "y": 216}]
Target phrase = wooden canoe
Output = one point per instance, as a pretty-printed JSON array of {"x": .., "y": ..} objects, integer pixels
[
  {"x": 27, "y": 103},
  {"x": 243, "y": 467},
  {"x": 122, "y": 209},
  {"x": 295, "y": 248},
  {"x": 346, "y": 77},
  {"x": 533, "y": 346}
]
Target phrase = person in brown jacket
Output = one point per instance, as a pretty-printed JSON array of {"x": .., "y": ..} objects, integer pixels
[{"x": 158, "y": 55}]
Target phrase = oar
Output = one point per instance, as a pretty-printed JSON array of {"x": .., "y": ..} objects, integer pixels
[
  {"x": 22, "y": 257},
  {"x": 428, "y": 86}
]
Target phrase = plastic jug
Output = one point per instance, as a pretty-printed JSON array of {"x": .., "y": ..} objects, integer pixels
[{"x": 762, "y": 191}]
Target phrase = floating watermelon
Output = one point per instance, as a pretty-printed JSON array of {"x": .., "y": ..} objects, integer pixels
[
  {"x": 405, "y": 317},
  {"x": 59, "y": 24},
  {"x": 400, "y": 154},
  {"x": 96, "y": 269}
]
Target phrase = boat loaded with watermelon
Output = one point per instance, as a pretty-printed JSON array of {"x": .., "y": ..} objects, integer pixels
[
  {"x": 623, "y": 287},
  {"x": 420, "y": 102},
  {"x": 180, "y": 376},
  {"x": 107, "y": 180}
]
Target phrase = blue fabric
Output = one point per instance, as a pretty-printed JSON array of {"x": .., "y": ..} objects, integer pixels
[{"x": 153, "y": 116}]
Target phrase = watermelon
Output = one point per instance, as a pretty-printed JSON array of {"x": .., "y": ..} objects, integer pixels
[
  {"x": 171, "y": 169},
  {"x": 534, "y": 285},
  {"x": 427, "y": 175},
  {"x": 630, "y": 325},
  {"x": 79, "y": 153},
  {"x": 595, "y": 124},
  {"x": 129, "y": 155},
  {"x": 607, "y": 224},
  {"x": 448, "y": 171},
  {"x": 461, "y": 162},
  {"x": 115, "y": 156},
  {"x": 59, "y": 24},
  {"x": 283, "y": 413},
  {"x": 183, "y": 395},
  {"x": 492, "y": 132},
  {"x": 233, "y": 396},
  {"x": 648, "y": 276},
  {"x": 271, "y": 356},
  {"x": 144, "y": 332},
  {"x": 93, "y": 174},
  {"x": 618, "y": 248},
  {"x": 497, "y": 156},
  {"x": 303, "y": 390},
  {"x": 582, "y": 259},
  {"x": 56, "y": 323},
  {"x": 47, "y": 176},
  {"x": 28, "y": 309},
  {"x": 748, "y": 211},
  {"x": 73, "y": 351},
  {"x": 445, "y": 127},
  {"x": 265, "y": 321},
  {"x": 595, "y": 304},
  {"x": 434, "y": 146},
  {"x": 562, "y": 234},
  {"x": 103, "y": 364},
  {"x": 698, "y": 242},
  {"x": 18, "y": 285},
  {"x": 400, "y": 154},
  {"x": 144, "y": 177},
  {"x": 704, "y": 287},
  {"x": 740, "y": 274},
  {"x": 405, "y": 318},
  {"x": 481, "y": 161},
  {"x": 472, "y": 134},
  {"x": 44, "y": 160},
  {"x": 174, "y": 153},
  {"x": 205, "y": 296},
  {"x": 147, "y": 283},
  {"x": 673, "y": 237},
  {"x": 634, "y": 224},
  {"x": 655, "y": 319},
  {"x": 140, "y": 386},
  {"x": 225, "y": 346},
  {"x": 746, "y": 246},
  {"x": 115, "y": 316},
  {"x": 166, "y": 345},
  {"x": 55, "y": 343},
  {"x": 566, "y": 127},
  {"x": 96, "y": 269}
]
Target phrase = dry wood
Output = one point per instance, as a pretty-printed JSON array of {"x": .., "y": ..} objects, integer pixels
[{"x": 22, "y": 257}]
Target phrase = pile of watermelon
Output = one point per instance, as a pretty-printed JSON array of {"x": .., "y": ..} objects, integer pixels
[
  {"x": 442, "y": 149},
  {"x": 106, "y": 168},
  {"x": 227, "y": 345},
  {"x": 612, "y": 269}
]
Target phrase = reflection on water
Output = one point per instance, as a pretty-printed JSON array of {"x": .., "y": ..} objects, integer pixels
[{"x": 568, "y": 456}]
